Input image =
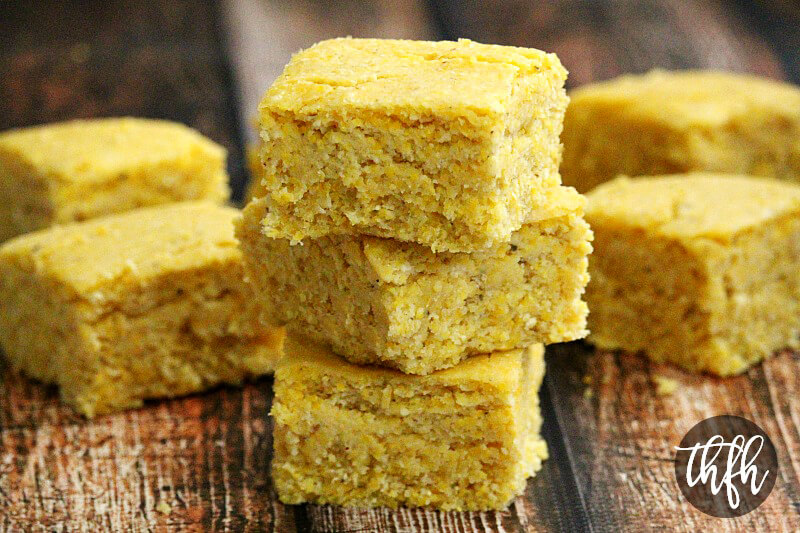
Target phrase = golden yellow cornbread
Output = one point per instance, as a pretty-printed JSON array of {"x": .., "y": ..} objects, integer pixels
[
  {"x": 146, "y": 304},
  {"x": 398, "y": 304},
  {"x": 671, "y": 122},
  {"x": 255, "y": 187},
  {"x": 700, "y": 270},
  {"x": 465, "y": 438},
  {"x": 77, "y": 170},
  {"x": 448, "y": 144}
]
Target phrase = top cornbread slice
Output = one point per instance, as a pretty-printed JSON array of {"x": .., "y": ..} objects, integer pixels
[
  {"x": 671, "y": 122},
  {"x": 448, "y": 144},
  {"x": 700, "y": 270},
  {"x": 81, "y": 169}
]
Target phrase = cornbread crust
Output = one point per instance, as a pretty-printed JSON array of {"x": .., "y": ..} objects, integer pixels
[
  {"x": 671, "y": 122},
  {"x": 145, "y": 304},
  {"x": 400, "y": 305},
  {"x": 465, "y": 438},
  {"x": 77, "y": 170},
  {"x": 700, "y": 270},
  {"x": 448, "y": 144}
]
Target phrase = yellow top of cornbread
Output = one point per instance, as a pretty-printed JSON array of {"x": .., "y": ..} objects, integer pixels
[
  {"x": 685, "y": 206},
  {"x": 101, "y": 257},
  {"x": 499, "y": 370},
  {"x": 447, "y": 77},
  {"x": 101, "y": 150},
  {"x": 689, "y": 98}
]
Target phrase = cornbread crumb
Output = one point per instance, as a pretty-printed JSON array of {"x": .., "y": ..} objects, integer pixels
[
  {"x": 671, "y": 122},
  {"x": 255, "y": 187},
  {"x": 146, "y": 304},
  {"x": 664, "y": 386},
  {"x": 82, "y": 169},
  {"x": 447, "y": 144},
  {"x": 397, "y": 304},
  {"x": 699, "y": 270},
  {"x": 465, "y": 438}
]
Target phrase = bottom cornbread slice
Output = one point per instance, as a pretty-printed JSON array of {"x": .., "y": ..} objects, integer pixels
[
  {"x": 147, "y": 304},
  {"x": 465, "y": 438}
]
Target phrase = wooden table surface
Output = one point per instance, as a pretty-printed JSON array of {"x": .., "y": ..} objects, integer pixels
[{"x": 202, "y": 463}]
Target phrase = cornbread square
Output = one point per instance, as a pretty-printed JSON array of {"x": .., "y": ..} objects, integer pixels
[
  {"x": 400, "y": 305},
  {"x": 145, "y": 304},
  {"x": 700, "y": 270},
  {"x": 448, "y": 144},
  {"x": 465, "y": 438},
  {"x": 672, "y": 122},
  {"x": 77, "y": 170}
]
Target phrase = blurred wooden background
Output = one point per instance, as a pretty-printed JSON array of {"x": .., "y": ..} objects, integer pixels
[{"x": 202, "y": 463}]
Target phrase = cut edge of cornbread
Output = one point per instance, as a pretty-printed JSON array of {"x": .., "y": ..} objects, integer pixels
[
  {"x": 466, "y": 438},
  {"x": 400, "y": 305}
]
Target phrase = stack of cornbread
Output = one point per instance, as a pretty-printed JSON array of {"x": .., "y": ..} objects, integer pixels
[
  {"x": 145, "y": 300},
  {"x": 412, "y": 233}
]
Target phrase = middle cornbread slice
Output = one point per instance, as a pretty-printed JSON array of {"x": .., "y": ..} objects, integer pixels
[{"x": 400, "y": 305}]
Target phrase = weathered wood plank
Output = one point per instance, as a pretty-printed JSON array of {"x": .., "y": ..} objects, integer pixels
[
  {"x": 600, "y": 40},
  {"x": 778, "y": 22},
  {"x": 622, "y": 435},
  {"x": 194, "y": 464}
]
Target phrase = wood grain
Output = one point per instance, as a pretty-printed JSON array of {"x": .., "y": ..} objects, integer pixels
[
  {"x": 622, "y": 435},
  {"x": 205, "y": 457}
]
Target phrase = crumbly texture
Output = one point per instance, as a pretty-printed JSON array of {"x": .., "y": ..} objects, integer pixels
[
  {"x": 77, "y": 170},
  {"x": 400, "y": 305},
  {"x": 698, "y": 270},
  {"x": 448, "y": 144},
  {"x": 255, "y": 187},
  {"x": 465, "y": 438},
  {"x": 145, "y": 304},
  {"x": 671, "y": 122}
]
